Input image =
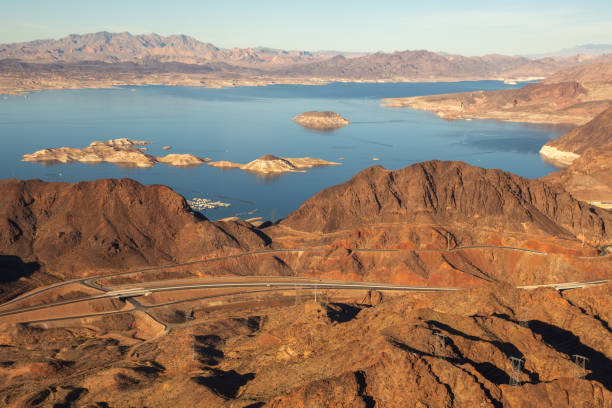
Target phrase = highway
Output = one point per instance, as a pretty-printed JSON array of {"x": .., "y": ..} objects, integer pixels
[
  {"x": 129, "y": 293},
  {"x": 90, "y": 281}
]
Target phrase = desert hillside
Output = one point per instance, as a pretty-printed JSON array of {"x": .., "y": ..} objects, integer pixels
[
  {"x": 58, "y": 231},
  {"x": 587, "y": 150},
  {"x": 473, "y": 287}
]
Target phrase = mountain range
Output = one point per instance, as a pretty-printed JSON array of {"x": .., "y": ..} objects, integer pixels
[{"x": 106, "y": 59}]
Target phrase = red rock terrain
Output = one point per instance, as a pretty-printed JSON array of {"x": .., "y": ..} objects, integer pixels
[
  {"x": 58, "y": 231},
  {"x": 446, "y": 224},
  {"x": 433, "y": 223},
  {"x": 423, "y": 350}
]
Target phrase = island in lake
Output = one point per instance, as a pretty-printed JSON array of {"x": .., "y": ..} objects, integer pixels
[
  {"x": 122, "y": 151},
  {"x": 272, "y": 164},
  {"x": 326, "y": 120}
]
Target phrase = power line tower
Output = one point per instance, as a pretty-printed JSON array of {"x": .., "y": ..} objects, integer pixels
[
  {"x": 581, "y": 362},
  {"x": 440, "y": 344},
  {"x": 516, "y": 370}
]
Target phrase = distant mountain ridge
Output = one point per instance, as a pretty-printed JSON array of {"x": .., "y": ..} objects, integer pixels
[
  {"x": 143, "y": 48},
  {"x": 108, "y": 59},
  {"x": 155, "y": 48}
]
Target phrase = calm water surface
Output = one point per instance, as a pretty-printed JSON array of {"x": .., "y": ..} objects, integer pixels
[{"x": 241, "y": 124}]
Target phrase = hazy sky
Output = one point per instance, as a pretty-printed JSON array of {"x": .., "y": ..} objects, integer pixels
[{"x": 464, "y": 27}]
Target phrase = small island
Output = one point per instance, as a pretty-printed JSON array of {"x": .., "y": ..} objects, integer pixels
[
  {"x": 326, "y": 120},
  {"x": 121, "y": 151},
  {"x": 272, "y": 164}
]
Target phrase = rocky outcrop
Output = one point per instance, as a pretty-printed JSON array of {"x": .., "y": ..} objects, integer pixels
[
  {"x": 122, "y": 151},
  {"x": 321, "y": 120},
  {"x": 270, "y": 164}
]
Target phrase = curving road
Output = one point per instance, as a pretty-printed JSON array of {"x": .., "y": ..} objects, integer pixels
[{"x": 129, "y": 293}]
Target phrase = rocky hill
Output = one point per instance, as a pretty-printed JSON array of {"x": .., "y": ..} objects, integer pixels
[
  {"x": 596, "y": 134},
  {"x": 587, "y": 150},
  {"x": 447, "y": 193},
  {"x": 56, "y": 231}
]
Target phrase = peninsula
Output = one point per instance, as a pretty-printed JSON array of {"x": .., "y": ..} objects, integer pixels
[
  {"x": 272, "y": 164},
  {"x": 121, "y": 151},
  {"x": 326, "y": 120},
  {"x": 572, "y": 96}
]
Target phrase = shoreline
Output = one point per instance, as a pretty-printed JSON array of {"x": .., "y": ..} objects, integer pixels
[
  {"x": 46, "y": 84},
  {"x": 556, "y": 157}
]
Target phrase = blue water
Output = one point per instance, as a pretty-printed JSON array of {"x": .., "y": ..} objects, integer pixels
[{"x": 241, "y": 124}]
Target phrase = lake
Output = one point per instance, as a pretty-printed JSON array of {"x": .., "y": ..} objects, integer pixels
[{"x": 241, "y": 124}]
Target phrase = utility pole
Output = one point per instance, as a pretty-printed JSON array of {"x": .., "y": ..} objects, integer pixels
[
  {"x": 515, "y": 371},
  {"x": 315, "y": 291},
  {"x": 440, "y": 344},
  {"x": 192, "y": 335},
  {"x": 581, "y": 365}
]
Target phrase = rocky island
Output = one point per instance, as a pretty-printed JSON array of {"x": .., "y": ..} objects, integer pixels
[
  {"x": 121, "y": 151},
  {"x": 271, "y": 164},
  {"x": 326, "y": 120}
]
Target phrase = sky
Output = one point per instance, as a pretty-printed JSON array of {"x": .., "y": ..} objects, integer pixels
[{"x": 455, "y": 26}]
